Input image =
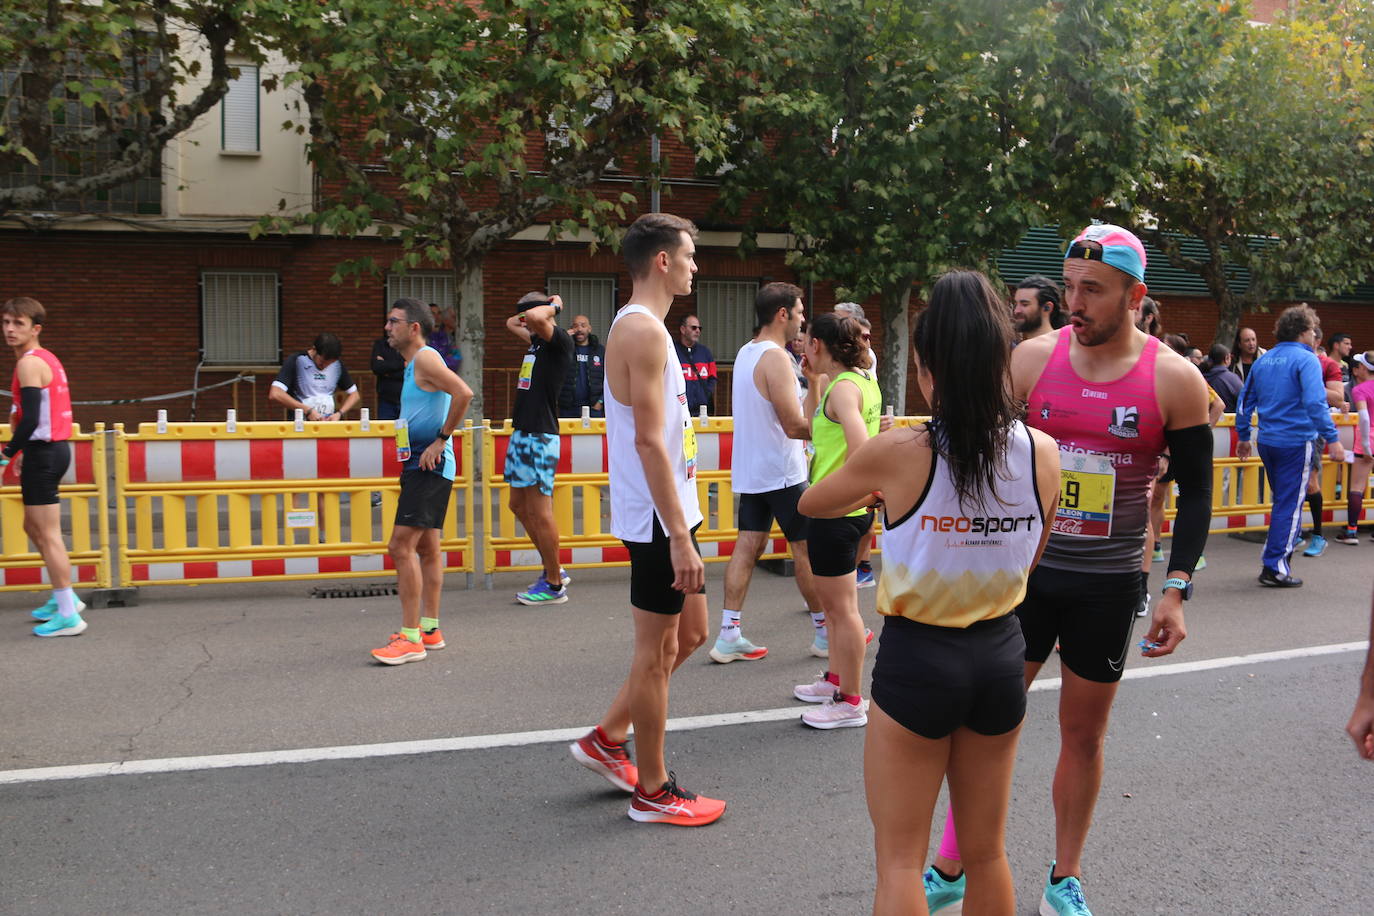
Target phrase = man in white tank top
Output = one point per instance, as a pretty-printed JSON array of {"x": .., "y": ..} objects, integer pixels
[
  {"x": 769, "y": 475},
  {"x": 654, "y": 511}
]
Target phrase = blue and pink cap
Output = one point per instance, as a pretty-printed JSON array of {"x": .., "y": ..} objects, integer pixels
[{"x": 1115, "y": 246}]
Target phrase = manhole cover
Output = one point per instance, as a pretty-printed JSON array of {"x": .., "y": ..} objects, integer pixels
[{"x": 376, "y": 590}]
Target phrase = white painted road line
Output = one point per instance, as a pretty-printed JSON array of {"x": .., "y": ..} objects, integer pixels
[{"x": 552, "y": 736}]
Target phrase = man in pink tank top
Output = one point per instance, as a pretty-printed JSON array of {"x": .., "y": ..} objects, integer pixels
[
  {"x": 40, "y": 425},
  {"x": 1115, "y": 401}
]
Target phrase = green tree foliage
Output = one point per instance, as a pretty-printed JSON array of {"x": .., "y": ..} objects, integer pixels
[
  {"x": 92, "y": 91},
  {"x": 1269, "y": 165},
  {"x": 450, "y": 127},
  {"x": 897, "y": 139}
]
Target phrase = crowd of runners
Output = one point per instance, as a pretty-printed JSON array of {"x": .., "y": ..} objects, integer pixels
[{"x": 1017, "y": 520}]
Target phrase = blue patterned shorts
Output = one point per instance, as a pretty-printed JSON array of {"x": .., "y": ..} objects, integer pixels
[{"x": 531, "y": 459}]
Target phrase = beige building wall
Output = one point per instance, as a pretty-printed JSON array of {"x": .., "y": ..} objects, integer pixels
[{"x": 207, "y": 181}]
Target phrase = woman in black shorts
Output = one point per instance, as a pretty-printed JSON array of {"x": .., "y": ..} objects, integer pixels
[{"x": 966, "y": 498}]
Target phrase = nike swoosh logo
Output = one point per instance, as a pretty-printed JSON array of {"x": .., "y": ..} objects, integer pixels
[{"x": 1120, "y": 662}]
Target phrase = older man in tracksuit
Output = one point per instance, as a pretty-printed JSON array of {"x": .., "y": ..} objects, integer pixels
[{"x": 1285, "y": 387}]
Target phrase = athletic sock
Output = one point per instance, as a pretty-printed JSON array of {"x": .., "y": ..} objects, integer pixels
[
  {"x": 411, "y": 633},
  {"x": 852, "y": 699},
  {"x": 833, "y": 679},
  {"x": 429, "y": 623},
  {"x": 949, "y": 840},
  {"x": 949, "y": 878},
  {"x": 1059, "y": 880},
  {"x": 1315, "y": 501},
  {"x": 865, "y": 566},
  {"x": 66, "y": 601},
  {"x": 818, "y": 621},
  {"x": 729, "y": 625}
]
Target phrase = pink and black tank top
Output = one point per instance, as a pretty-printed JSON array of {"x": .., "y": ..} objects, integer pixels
[
  {"x": 55, "y": 410},
  {"x": 1110, "y": 437}
]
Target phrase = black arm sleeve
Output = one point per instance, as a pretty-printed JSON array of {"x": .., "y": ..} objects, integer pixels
[
  {"x": 31, "y": 402},
  {"x": 1190, "y": 461}
]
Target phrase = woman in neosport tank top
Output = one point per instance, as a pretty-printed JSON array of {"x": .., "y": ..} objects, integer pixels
[{"x": 966, "y": 498}]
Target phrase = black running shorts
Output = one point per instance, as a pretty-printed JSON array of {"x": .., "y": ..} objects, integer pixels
[
  {"x": 42, "y": 470},
  {"x": 424, "y": 499},
  {"x": 651, "y": 573},
  {"x": 833, "y": 543},
  {"x": 1090, "y": 615},
  {"x": 933, "y": 680},
  {"x": 757, "y": 511}
]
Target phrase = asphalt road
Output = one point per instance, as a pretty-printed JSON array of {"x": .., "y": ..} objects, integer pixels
[{"x": 1229, "y": 790}]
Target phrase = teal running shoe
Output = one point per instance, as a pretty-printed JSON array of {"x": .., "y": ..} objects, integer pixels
[
  {"x": 543, "y": 593},
  {"x": 49, "y": 610},
  {"x": 1064, "y": 898},
  {"x": 61, "y": 626},
  {"x": 726, "y": 651},
  {"x": 944, "y": 897},
  {"x": 1315, "y": 547}
]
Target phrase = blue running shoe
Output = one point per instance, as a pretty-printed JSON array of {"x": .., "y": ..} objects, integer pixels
[
  {"x": 864, "y": 576},
  {"x": 944, "y": 897},
  {"x": 1064, "y": 898},
  {"x": 543, "y": 593},
  {"x": 1315, "y": 547},
  {"x": 49, "y": 611},
  {"x": 61, "y": 626},
  {"x": 737, "y": 649}
]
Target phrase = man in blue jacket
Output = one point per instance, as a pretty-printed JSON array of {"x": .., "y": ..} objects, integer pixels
[{"x": 1284, "y": 386}]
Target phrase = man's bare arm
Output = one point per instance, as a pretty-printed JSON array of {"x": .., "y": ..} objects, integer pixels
[{"x": 779, "y": 388}]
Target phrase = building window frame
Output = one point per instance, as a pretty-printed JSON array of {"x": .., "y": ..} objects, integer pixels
[
  {"x": 725, "y": 308},
  {"x": 228, "y": 337},
  {"x": 242, "y": 104}
]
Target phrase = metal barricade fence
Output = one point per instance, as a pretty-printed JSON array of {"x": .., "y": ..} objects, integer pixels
[
  {"x": 234, "y": 502},
  {"x": 84, "y": 494},
  {"x": 581, "y": 499}
]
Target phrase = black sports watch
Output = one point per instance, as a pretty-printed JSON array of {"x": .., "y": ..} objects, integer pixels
[
  {"x": 1183, "y": 585},
  {"x": 443, "y": 437}
]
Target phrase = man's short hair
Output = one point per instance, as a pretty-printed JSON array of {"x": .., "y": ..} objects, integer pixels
[
  {"x": 770, "y": 298},
  {"x": 416, "y": 313},
  {"x": 1047, "y": 292},
  {"x": 1337, "y": 338},
  {"x": 25, "y": 307},
  {"x": 686, "y": 318},
  {"x": 327, "y": 346},
  {"x": 650, "y": 234},
  {"x": 1294, "y": 321},
  {"x": 852, "y": 309},
  {"x": 1217, "y": 355}
]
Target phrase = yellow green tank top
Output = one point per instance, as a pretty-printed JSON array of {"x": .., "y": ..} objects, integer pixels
[{"x": 827, "y": 436}]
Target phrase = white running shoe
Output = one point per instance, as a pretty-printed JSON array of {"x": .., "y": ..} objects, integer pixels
[
  {"x": 818, "y": 691},
  {"x": 837, "y": 714}
]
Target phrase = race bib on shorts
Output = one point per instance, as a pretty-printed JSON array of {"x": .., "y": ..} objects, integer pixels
[
  {"x": 689, "y": 448},
  {"x": 526, "y": 373},
  {"x": 1087, "y": 490}
]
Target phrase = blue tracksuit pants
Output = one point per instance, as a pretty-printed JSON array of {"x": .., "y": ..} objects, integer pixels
[{"x": 1287, "y": 468}]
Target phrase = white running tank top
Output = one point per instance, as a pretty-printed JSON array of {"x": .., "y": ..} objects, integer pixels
[
  {"x": 764, "y": 458},
  {"x": 951, "y": 566},
  {"x": 632, "y": 506}
]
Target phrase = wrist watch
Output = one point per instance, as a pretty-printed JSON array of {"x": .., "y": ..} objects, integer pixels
[
  {"x": 442, "y": 436},
  {"x": 1183, "y": 585}
]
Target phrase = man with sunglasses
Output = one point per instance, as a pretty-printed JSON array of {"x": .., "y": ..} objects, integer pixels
[{"x": 698, "y": 365}]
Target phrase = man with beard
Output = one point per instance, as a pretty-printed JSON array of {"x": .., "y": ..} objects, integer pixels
[
  {"x": 1035, "y": 306},
  {"x": 1246, "y": 351},
  {"x": 583, "y": 386}
]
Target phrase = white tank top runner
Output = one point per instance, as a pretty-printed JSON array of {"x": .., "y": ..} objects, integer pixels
[
  {"x": 764, "y": 458},
  {"x": 632, "y": 506},
  {"x": 950, "y": 565}
]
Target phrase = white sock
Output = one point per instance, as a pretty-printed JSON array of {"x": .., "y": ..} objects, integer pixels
[
  {"x": 818, "y": 621},
  {"x": 66, "y": 601},
  {"x": 729, "y": 625}
]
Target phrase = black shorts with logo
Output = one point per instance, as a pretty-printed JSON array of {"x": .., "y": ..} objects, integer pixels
[
  {"x": 651, "y": 573},
  {"x": 424, "y": 499},
  {"x": 41, "y": 474},
  {"x": 933, "y": 680},
  {"x": 833, "y": 543},
  {"x": 1090, "y": 615},
  {"x": 757, "y": 511}
]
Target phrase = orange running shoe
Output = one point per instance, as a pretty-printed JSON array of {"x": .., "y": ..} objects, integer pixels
[
  {"x": 399, "y": 651},
  {"x": 674, "y": 805},
  {"x": 610, "y": 760},
  {"x": 432, "y": 639}
]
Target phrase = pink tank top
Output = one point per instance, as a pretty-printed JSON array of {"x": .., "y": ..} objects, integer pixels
[
  {"x": 1110, "y": 437},
  {"x": 55, "y": 411}
]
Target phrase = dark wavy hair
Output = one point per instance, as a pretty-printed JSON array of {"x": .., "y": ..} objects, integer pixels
[
  {"x": 963, "y": 339},
  {"x": 842, "y": 337}
]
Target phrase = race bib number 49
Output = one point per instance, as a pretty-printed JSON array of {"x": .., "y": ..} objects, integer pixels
[{"x": 1087, "y": 489}]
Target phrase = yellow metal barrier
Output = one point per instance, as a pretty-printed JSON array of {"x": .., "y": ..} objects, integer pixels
[
  {"x": 223, "y": 502},
  {"x": 581, "y": 499},
  {"x": 85, "y": 495}
]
